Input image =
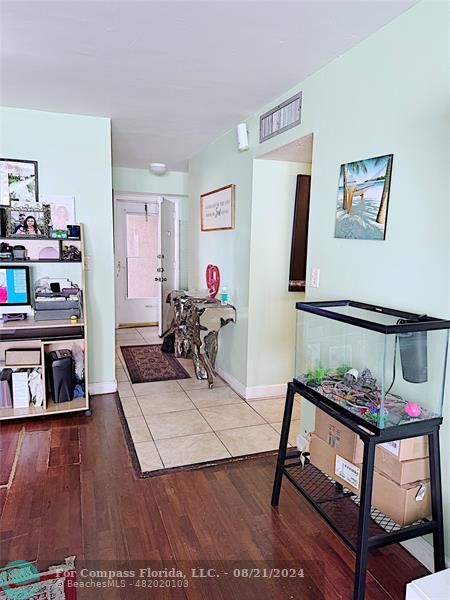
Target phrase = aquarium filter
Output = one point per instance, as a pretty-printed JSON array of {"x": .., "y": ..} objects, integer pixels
[{"x": 414, "y": 356}]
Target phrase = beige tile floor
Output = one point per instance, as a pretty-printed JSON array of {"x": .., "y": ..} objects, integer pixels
[{"x": 176, "y": 423}]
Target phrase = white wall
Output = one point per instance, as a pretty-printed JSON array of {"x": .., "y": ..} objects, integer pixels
[{"x": 74, "y": 156}]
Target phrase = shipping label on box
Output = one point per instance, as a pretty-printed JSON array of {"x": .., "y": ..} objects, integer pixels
[
  {"x": 347, "y": 471},
  {"x": 393, "y": 447}
]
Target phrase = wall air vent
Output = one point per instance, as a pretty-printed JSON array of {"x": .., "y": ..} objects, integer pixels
[{"x": 284, "y": 116}]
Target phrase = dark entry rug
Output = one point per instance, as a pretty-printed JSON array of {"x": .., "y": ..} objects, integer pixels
[{"x": 148, "y": 363}]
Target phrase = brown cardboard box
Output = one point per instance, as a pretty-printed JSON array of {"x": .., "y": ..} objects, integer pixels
[
  {"x": 401, "y": 472},
  {"x": 402, "y": 503},
  {"x": 333, "y": 464},
  {"x": 340, "y": 438},
  {"x": 408, "y": 449}
]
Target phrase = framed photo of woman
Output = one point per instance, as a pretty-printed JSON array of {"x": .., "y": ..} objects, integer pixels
[{"x": 26, "y": 222}]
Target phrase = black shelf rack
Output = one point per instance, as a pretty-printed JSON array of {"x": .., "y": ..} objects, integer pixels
[{"x": 352, "y": 517}]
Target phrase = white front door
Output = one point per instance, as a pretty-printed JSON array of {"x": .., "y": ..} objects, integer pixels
[
  {"x": 169, "y": 266},
  {"x": 137, "y": 247}
]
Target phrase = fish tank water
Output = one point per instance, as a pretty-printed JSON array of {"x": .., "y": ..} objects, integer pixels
[{"x": 386, "y": 367}]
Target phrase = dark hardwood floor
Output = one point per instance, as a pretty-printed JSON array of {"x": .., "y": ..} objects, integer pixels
[{"x": 73, "y": 491}]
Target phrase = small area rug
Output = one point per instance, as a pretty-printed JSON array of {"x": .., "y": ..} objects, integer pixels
[{"x": 148, "y": 363}]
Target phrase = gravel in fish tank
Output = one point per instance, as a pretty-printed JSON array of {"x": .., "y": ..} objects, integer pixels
[{"x": 360, "y": 393}]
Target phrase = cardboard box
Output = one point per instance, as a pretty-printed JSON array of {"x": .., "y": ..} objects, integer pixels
[
  {"x": 333, "y": 464},
  {"x": 344, "y": 441},
  {"x": 23, "y": 356},
  {"x": 401, "y": 471},
  {"x": 404, "y": 504},
  {"x": 408, "y": 449}
]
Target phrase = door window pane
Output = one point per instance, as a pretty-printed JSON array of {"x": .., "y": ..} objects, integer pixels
[{"x": 142, "y": 250}]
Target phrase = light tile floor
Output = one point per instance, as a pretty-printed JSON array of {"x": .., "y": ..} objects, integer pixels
[{"x": 176, "y": 423}]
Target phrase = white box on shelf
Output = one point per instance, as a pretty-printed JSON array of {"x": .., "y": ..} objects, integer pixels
[{"x": 21, "y": 391}]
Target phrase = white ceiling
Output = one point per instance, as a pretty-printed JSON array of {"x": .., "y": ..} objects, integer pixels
[
  {"x": 172, "y": 75},
  {"x": 297, "y": 151}
]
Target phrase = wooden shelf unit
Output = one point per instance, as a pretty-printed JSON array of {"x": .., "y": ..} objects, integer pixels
[{"x": 46, "y": 336}]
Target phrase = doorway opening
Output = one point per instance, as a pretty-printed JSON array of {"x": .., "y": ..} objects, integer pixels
[{"x": 146, "y": 248}]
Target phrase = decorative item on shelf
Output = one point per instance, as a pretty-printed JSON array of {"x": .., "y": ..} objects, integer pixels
[
  {"x": 27, "y": 222},
  {"x": 70, "y": 253},
  {"x": 74, "y": 232},
  {"x": 18, "y": 182},
  {"x": 363, "y": 198},
  {"x": 59, "y": 234},
  {"x": 19, "y": 253},
  {"x": 217, "y": 209},
  {"x": 6, "y": 252},
  {"x": 212, "y": 280},
  {"x": 62, "y": 211},
  {"x": 224, "y": 296}
]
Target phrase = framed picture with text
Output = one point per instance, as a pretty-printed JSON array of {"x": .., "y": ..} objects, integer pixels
[{"x": 217, "y": 209}]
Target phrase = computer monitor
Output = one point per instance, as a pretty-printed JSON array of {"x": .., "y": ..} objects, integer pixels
[{"x": 15, "y": 294}]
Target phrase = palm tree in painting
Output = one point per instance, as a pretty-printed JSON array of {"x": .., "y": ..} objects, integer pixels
[
  {"x": 357, "y": 168},
  {"x": 350, "y": 169},
  {"x": 381, "y": 217}
]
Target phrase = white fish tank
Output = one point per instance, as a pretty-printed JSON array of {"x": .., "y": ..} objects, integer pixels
[{"x": 382, "y": 367}]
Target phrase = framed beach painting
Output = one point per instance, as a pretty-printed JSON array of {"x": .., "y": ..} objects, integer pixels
[
  {"x": 217, "y": 209},
  {"x": 18, "y": 182},
  {"x": 363, "y": 198}
]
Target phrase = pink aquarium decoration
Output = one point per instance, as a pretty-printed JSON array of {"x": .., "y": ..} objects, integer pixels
[{"x": 412, "y": 409}]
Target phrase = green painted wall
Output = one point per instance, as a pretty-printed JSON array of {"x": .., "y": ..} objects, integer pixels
[
  {"x": 388, "y": 95},
  {"x": 142, "y": 181},
  {"x": 74, "y": 156},
  {"x": 219, "y": 165},
  {"x": 271, "y": 333}
]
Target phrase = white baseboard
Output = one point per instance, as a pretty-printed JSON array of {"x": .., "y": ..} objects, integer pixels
[
  {"x": 256, "y": 391},
  {"x": 232, "y": 382},
  {"x": 105, "y": 387},
  {"x": 265, "y": 391}
]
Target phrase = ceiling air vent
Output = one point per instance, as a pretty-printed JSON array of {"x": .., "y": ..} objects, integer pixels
[{"x": 284, "y": 116}]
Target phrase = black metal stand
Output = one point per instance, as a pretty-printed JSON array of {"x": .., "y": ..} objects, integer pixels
[{"x": 361, "y": 527}]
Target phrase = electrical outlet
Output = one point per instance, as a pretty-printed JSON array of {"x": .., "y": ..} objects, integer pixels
[
  {"x": 87, "y": 263},
  {"x": 315, "y": 276}
]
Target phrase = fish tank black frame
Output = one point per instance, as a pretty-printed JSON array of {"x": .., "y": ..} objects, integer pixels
[{"x": 407, "y": 322}]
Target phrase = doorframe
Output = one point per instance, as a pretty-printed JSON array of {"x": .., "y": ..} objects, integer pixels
[
  {"x": 145, "y": 198},
  {"x": 120, "y": 198}
]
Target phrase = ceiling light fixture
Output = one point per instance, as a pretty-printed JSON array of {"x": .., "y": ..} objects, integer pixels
[{"x": 158, "y": 168}]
